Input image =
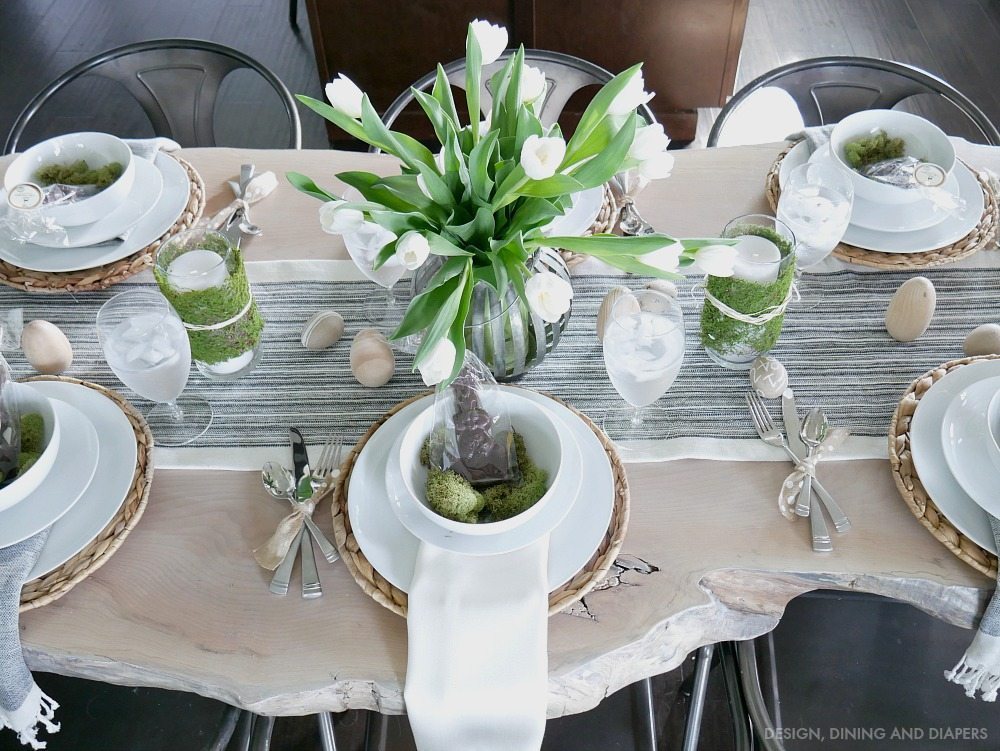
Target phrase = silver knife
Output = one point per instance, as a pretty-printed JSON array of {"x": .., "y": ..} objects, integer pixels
[
  {"x": 798, "y": 449},
  {"x": 300, "y": 463}
]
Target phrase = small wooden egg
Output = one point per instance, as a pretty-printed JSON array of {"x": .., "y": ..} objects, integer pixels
[
  {"x": 604, "y": 312},
  {"x": 983, "y": 340},
  {"x": 768, "y": 377},
  {"x": 372, "y": 361},
  {"x": 46, "y": 347},
  {"x": 322, "y": 330},
  {"x": 663, "y": 286},
  {"x": 911, "y": 309}
]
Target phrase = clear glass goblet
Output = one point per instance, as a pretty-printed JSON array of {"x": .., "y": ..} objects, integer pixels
[
  {"x": 643, "y": 352},
  {"x": 147, "y": 347},
  {"x": 816, "y": 203}
]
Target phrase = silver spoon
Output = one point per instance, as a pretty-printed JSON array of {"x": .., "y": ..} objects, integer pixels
[
  {"x": 279, "y": 482},
  {"x": 813, "y": 433},
  {"x": 246, "y": 175}
]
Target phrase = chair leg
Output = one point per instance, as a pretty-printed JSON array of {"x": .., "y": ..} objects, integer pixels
[
  {"x": 702, "y": 668},
  {"x": 763, "y": 727},
  {"x": 293, "y": 14},
  {"x": 326, "y": 736},
  {"x": 649, "y": 714}
]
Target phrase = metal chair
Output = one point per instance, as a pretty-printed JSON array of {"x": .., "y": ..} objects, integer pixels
[
  {"x": 565, "y": 75},
  {"x": 827, "y": 89},
  {"x": 181, "y": 104}
]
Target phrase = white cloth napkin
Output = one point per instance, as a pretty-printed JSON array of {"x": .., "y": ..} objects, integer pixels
[
  {"x": 477, "y": 672},
  {"x": 816, "y": 136},
  {"x": 147, "y": 148}
]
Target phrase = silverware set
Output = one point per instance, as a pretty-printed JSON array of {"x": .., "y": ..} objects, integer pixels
[
  {"x": 238, "y": 223},
  {"x": 297, "y": 487},
  {"x": 630, "y": 221},
  {"x": 801, "y": 443}
]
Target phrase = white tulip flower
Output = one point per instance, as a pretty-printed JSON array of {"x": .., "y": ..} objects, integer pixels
[
  {"x": 716, "y": 260},
  {"x": 664, "y": 259},
  {"x": 542, "y": 156},
  {"x": 533, "y": 85},
  {"x": 631, "y": 96},
  {"x": 439, "y": 363},
  {"x": 345, "y": 96},
  {"x": 649, "y": 141},
  {"x": 548, "y": 295},
  {"x": 412, "y": 250},
  {"x": 657, "y": 166},
  {"x": 336, "y": 219},
  {"x": 492, "y": 39}
]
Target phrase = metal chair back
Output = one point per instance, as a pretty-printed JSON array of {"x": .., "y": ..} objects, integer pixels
[
  {"x": 564, "y": 74},
  {"x": 175, "y": 81},
  {"x": 827, "y": 89}
]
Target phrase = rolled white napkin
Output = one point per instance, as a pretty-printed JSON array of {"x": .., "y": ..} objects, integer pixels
[
  {"x": 477, "y": 672},
  {"x": 147, "y": 148}
]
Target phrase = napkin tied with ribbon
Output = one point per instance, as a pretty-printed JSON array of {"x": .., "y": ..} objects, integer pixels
[
  {"x": 259, "y": 188},
  {"x": 272, "y": 552},
  {"x": 979, "y": 668},
  {"x": 477, "y": 666},
  {"x": 793, "y": 484},
  {"x": 23, "y": 706}
]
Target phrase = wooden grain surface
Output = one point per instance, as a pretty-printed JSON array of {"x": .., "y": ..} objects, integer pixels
[{"x": 182, "y": 604}]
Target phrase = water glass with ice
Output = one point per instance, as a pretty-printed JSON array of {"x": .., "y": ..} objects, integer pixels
[
  {"x": 147, "y": 347},
  {"x": 643, "y": 352}
]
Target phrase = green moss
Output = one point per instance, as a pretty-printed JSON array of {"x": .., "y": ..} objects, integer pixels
[
  {"x": 32, "y": 433},
  {"x": 204, "y": 307},
  {"x": 79, "y": 173},
  {"x": 452, "y": 496},
  {"x": 726, "y": 335},
  {"x": 25, "y": 459},
  {"x": 878, "y": 147}
]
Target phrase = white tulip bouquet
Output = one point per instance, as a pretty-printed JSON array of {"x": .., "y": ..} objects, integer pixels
[{"x": 482, "y": 201}]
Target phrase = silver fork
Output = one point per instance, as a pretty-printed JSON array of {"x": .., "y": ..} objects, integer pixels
[
  {"x": 769, "y": 433},
  {"x": 327, "y": 469}
]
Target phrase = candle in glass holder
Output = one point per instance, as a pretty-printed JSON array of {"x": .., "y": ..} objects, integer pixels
[
  {"x": 197, "y": 270},
  {"x": 757, "y": 259}
]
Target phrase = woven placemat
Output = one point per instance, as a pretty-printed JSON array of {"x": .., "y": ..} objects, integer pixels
[
  {"x": 380, "y": 590},
  {"x": 101, "y": 277},
  {"x": 56, "y": 583},
  {"x": 606, "y": 221},
  {"x": 909, "y": 485},
  {"x": 980, "y": 237}
]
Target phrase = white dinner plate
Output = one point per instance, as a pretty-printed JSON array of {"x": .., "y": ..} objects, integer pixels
[
  {"x": 111, "y": 482},
  {"x": 145, "y": 193},
  {"x": 580, "y": 216},
  {"x": 968, "y": 447},
  {"x": 172, "y": 201},
  {"x": 72, "y": 472},
  {"x": 952, "y": 229},
  {"x": 547, "y": 518},
  {"x": 392, "y": 550},
  {"x": 929, "y": 459},
  {"x": 902, "y": 217}
]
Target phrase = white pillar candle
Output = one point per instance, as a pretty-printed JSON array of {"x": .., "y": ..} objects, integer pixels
[
  {"x": 197, "y": 270},
  {"x": 757, "y": 259}
]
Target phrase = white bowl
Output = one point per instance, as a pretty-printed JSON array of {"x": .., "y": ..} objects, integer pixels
[
  {"x": 922, "y": 138},
  {"x": 97, "y": 149},
  {"x": 543, "y": 442},
  {"x": 27, "y": 482}
]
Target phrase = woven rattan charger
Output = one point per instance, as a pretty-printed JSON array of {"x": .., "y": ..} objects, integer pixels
[
  {"x": 909, "y": 485},
  {"x": 980, "y": 237},
  {"x": 59, "y": 581},
  {"x": 380, "y": 590},
  {"x": 101, "y": 277}
]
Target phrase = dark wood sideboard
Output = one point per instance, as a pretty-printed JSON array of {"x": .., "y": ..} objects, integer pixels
[{"x": 691, "y": 48}]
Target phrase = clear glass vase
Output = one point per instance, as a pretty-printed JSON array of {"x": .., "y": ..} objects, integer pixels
[{"x": 202, "y": 275}]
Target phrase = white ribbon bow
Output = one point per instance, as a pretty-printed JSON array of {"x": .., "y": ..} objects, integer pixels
[
  {"x": 793, "y": 484},
  {"x": 272, "y": 552}
]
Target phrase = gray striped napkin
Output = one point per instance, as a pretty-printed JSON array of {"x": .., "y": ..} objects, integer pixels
[{"x": 23, "y": 706}]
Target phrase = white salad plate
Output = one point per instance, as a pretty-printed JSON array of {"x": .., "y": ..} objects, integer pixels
[
  {"x": 547, "y": 518},
  {"x": 111, "y": 482},
  {"x": 968, "y": 447},
  {"x": 901, "y": 217},
  {"x": 392, "y": 550},
  {"x": 71, "y": 473},
  {"x": 168, "y": 207},
  {"x": 929, "y": 457},
  {"x": 585, "y": 207},
  {"x": 140, "y": 200},
  {"x": 952, "y": 229}
]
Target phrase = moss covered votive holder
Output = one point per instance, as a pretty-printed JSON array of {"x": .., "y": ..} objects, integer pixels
[
  {"x": 743, "y": 314},
  {"x": 202, "y": 275}
]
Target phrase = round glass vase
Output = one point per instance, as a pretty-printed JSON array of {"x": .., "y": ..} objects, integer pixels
[
  {"x": 202, "y": 275},
  {"x": 742, "y": 315},
  {"x": 503, "y": 331}
]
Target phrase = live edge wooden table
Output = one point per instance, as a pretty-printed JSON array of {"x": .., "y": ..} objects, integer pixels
[{"x": 183, "y": 605}]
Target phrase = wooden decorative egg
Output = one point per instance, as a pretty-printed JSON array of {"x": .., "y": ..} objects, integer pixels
[
  {"x": 911, "y": 309},
  {"x": 46, "y": 347}
]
